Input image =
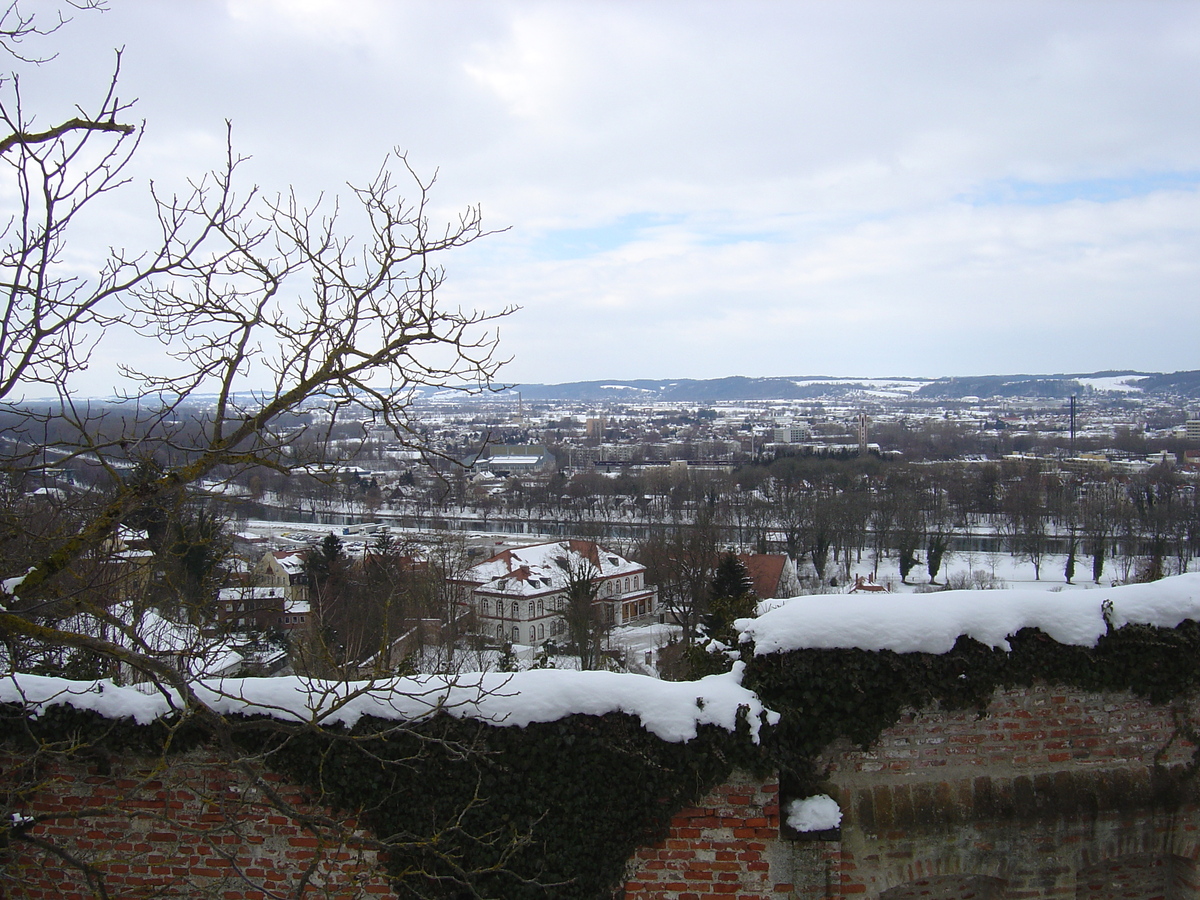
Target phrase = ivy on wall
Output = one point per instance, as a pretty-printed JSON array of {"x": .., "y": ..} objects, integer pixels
[
  {"x": 556, "y": 809},
  {"x": 823, "y": 695},
  {"x": 552, "y": 809}
]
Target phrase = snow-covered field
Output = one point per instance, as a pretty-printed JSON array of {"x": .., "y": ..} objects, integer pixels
[
  {"x": 1001, "y": 570},
  {"x": 1115, "y": 383}
]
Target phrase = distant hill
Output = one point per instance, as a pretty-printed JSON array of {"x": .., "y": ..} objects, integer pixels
[
  {"x": 1186, "y": 384},
  {"x": 824, "y": 387},
  {"x": 1179, "y": 384},
  {"x": 1039, "y": 386},
  {"x": 731, "y": 389}
]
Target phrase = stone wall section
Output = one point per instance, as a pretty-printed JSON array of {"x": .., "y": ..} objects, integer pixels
[
  {"x": 1049, "y": 792},
  {"x": 1048, "y": 785},
  {"x": 190, "y": 828}
]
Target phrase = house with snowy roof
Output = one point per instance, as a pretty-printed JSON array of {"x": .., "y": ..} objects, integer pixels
[
  {"x": 124, "y": 565},
  {"x": 269, "y": 608},
  {"x": 275, "y": 597},
  {"x": 283, "y": 569},
  {"x": 504, "y": 459},
  {"x": 518, "y": 594}
]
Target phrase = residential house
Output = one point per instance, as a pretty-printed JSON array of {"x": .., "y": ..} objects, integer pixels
[
  {"x": 262, "y": 609},
  {"x": 275, "y": 599},
  {"x": 774, "y": 574},
  {"x": 867, "y": 585},
  {"x": 517, "y": 595},
  {"x": 122, "y": 568},
  {"x": 283, "y": 569}
]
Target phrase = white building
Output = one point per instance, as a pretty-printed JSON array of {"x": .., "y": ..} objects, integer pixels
[
  {"x": 792, "y": 434},
  {"x": 517, "y": 595}
]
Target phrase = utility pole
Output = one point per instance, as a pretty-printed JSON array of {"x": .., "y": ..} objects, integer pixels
[{"x": 1072, "y": 424}]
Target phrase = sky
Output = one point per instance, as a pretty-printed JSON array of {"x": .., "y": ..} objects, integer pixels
[{"x": 702, "y": 189}]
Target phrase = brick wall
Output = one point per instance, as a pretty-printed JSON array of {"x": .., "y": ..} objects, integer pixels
[
  {"x": 720, "y": 848},
  {"x": 1042, "y": 728},
  {"x": 1051, "y": 793},
  {"x": 193, "y": 829},
  {"x": 1136, "y": 876}
]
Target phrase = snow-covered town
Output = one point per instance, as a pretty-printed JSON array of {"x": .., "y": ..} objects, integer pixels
[
  {"x": 668, "y": 450},
  {"x": 384, "y": 565}
]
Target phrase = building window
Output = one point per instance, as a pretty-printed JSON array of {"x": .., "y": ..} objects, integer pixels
[
  {"x": 531, "y": 609},
  {"x": 541, "y": 607},
  {"x": 541, "y": 632},
  {"x": 483, "y": 607},
  {"x": 516, "y": 610},
  {"x": 516, "y": 635},
  {"x": 500, "y": 632}
]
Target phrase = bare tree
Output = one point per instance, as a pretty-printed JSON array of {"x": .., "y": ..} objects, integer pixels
[
  {"x": 681, "y": 562},
  {"x": 278, "y": 322},
  {"x": 1099, "y": 522},
  {"x": 369, "y": 332},
  {"x": 1025, "y": 515},
  {"x": 582, "y": 617},
  {"x": 908, "y": 525}
]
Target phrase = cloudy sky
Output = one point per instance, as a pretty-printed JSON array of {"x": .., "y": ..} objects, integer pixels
[{"x": 698, "y": 189}]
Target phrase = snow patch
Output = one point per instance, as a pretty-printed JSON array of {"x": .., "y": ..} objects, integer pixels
[
  {"x": 817, "y": 813},
  {"x": 8, "y": 587},
  {"x": 1115, "y": 383}
]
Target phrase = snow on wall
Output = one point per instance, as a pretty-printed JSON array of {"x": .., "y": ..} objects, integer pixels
[
  {"x": 931, "y": 623},
  {"x": 817, "y": 813},
  {"x": 671, "y": 710}
]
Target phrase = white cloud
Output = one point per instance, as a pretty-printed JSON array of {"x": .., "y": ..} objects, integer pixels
[
  {"x": 361, "y": 22},
  {"x": 698, "y": 189}
]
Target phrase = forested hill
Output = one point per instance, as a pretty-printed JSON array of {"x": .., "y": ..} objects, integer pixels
[
  {"x": 820, "y": 387},
  {"x": 1182, "y": 384},
  {"x": 717, "y": 389}
]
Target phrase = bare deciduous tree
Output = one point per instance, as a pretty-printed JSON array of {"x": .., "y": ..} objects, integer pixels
[
  {"x": 582, "y": 618},
  {"x": 278, "y": 321},
  {"x": 681, "y": 562}
]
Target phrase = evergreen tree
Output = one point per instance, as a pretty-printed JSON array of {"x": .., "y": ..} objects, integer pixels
[
  {"x": 732, "y": 597},
  {"x": 325, "y": 563},
  {"x": 731, "y": 578}
]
